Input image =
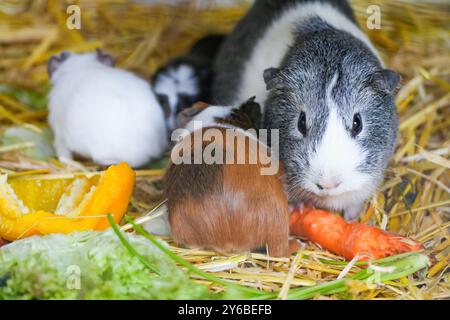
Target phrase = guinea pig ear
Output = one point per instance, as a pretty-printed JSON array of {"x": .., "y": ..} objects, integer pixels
[
  {"x": 385, "y": 80},
  {"x": 250, "y": 106},
  {"x": 104, "y": 58},
  {"x": 186, "y": 115},
  {"x": 253, "y": 110},
  {"x": 184, "y": 101},
  {"x": 56, "y": 61},
  {"x": 195, "y": 109},
  {"x": 163, "y": 100},
  {"x": 272, "y": 79}
]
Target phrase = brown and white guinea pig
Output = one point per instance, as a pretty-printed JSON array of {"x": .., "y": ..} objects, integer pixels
[{"x": 228, "y": 206}]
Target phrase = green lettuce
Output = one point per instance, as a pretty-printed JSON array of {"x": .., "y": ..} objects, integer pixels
[
  {"x": 91, "y": 265},
  {"x": 105, "y": 265}
]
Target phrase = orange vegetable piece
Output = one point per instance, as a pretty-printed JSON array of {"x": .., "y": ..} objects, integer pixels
[
  {"x": 111, "y": 195},
  {"x": 348, "y": 239}
]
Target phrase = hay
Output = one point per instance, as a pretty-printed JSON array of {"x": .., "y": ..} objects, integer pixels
[{"x": 414, "y": 200}]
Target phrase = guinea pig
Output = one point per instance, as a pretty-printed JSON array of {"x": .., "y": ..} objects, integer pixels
[
  {"x": 186, "y": 79},
  {"x": 103, "y": 113},
  {"x": 322, "y": 84},
  {"x": 228, "y": 206}
]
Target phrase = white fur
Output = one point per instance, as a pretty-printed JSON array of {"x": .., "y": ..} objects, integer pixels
[
  {"x": 206, "y": 118},
  {"x": 175, "y": 81},
  {"x": 335, "y": 161},
  {"x": 334, "y": 166},
  {"x": 103, "y": 113},
  {"x": 270, "y": 49}
]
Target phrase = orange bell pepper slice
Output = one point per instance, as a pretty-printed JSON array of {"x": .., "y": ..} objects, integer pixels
[{"x": 111, "y": 195}]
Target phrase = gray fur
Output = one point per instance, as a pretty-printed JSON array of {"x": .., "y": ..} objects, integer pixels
[
  {"x": 306, "y": 74},
  {"x": 237, "y": 48},
  {"x": 319, "y": 52}
]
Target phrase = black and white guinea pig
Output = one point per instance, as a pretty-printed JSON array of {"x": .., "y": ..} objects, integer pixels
[
  {"x": 103, "y": 113},
  {"x": 186, "y": 79},
  {"x": 322, "y": 84},
  {"x": 227, "y": 206}
]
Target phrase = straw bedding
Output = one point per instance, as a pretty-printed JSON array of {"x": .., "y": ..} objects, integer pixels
[{"x": 414, "y": 199}]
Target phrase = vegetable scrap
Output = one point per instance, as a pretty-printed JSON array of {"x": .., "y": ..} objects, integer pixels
[
  {"x": 90, "y": 265},
  {"x": 39, "y": 207},
  {"x": 100, "y": 265},
  {"x": 348, "y": 239}
]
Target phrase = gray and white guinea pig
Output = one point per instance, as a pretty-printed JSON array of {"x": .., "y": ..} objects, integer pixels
[
  {"x": 322, "y": 84},
  {"x": 186, "y": 79},
  {"x": 103, "y": 113},
  {"x": 226, "y": 206}
]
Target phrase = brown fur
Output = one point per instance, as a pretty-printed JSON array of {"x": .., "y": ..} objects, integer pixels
[
  {"x": 188, "y": 114},
  {"x": 229, "y": 207},
  {"x": 248, "y": 116}
]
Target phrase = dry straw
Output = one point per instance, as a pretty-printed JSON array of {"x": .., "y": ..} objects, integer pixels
[{"x": 414, "y": 200}]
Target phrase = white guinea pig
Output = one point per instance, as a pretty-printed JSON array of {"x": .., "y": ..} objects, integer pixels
[{"x": 103, "y": 113}]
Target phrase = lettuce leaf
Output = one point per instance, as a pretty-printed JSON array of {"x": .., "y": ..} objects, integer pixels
[{"x": 90, "y": 265}]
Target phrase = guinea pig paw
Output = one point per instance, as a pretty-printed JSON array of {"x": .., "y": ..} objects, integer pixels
[
  {"x": 352, "y": 213},
  {"x": 300, "y": 206}
]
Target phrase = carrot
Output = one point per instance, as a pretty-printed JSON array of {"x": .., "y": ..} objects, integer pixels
[{"x": 333, "y": 233}]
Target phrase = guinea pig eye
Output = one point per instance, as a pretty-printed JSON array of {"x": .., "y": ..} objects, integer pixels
[
  {"x": 302, "y": 123},
  {"x": 357, "y": 125}
]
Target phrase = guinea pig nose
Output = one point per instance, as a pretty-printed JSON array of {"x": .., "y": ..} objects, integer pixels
[{"x": 327, "y": 185}]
